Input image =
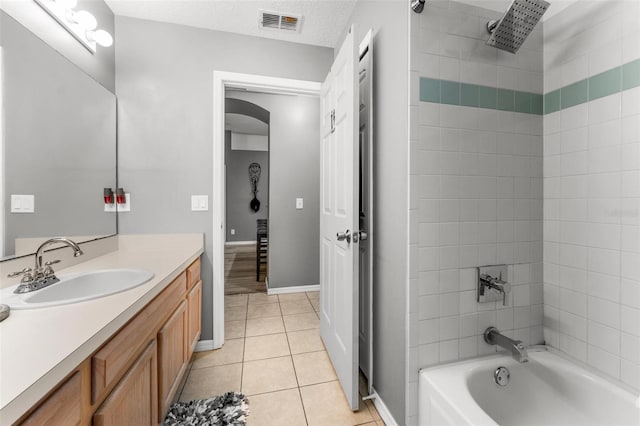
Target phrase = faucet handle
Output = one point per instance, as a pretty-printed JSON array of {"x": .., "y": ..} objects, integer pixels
[
  {"x": 18, "y": 273},
  {"x": 48, "y": 271},
  {"x": 26, "y": 275}
]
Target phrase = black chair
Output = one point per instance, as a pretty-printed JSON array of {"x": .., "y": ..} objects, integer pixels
[{"x": 262, "y": 245}]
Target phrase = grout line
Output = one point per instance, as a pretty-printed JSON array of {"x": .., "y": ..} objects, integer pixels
[{"x": 295, "y": 373}]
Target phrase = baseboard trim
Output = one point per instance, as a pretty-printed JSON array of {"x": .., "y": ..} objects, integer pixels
[
  {"x": 240, "y": 243},
  {"x": 384, "y": 412},
  {"x": 204, "y": 345},
  {"x": 293, "y": 289}
]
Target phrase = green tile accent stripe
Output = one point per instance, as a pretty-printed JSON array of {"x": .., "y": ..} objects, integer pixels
[
  {"x": 631, "y": 75},
  {"x": 473, "y": 95},
  {"x": 574, "y": 94},
  {"x": 607, "y": 83}
]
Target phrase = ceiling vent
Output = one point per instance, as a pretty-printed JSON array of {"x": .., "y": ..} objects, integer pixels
[{"x": 279, "y": 21}]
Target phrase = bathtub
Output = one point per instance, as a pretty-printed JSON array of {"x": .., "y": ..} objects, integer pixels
[{"x": 547, "y": 390}]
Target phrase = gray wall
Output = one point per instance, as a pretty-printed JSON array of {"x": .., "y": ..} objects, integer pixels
[
  {"x": 390, "y": 132},
  {"x": 239, "y": 215},
  {"x": 164, "y": 82},
  {"x": 100, "y": 65},
  {"x": 294, "y": 235}
]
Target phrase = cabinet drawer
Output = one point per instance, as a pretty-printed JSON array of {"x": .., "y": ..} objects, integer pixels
[
  {"x": 62, "y": 407},
  {"x": 134, "y": 401},
  {"x": 111, "y": 361},
  {"x": 193, "y": 273}
]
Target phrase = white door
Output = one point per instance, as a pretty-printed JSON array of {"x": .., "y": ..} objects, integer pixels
[{"x": 339, "y": 233}]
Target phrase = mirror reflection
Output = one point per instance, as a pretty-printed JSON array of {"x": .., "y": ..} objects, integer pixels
[{"x": 58, "y": 146}]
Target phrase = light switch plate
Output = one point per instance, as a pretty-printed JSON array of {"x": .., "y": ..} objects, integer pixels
[
  {"x": 199, "y": 203},
  {"x": 22, "y": 203},
  {"x": 299, "y": 203}
]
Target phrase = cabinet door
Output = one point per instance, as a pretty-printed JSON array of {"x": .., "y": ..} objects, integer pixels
[
  {"x": 62, "y": 407},
  {"x": 134, "y": 401},
  {"x": 172, "y": 356},
  {"x": 194, "y": 308}
]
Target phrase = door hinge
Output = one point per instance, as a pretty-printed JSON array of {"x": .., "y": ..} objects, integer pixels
[{"x": 333, "y": 120}]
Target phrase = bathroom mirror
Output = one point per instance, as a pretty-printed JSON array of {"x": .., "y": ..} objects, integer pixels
[{"x": 58, "y": 146}]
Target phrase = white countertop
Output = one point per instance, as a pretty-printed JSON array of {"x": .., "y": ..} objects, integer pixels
[{"x": 40, "y": 347}]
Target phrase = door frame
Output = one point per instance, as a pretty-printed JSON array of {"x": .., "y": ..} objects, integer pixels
[{"x": 252, "y": 82}]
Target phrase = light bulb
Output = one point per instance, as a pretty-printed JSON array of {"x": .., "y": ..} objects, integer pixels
[
  {"x": 67, "y": 4},
  {"x": 102, "y": 37},
  {"x": 84, "y": 19}
]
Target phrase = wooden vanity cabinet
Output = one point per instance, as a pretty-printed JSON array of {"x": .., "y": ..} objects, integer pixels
[
  {"x": 134, "y": 400},
  {"x": 62, "y": 407},
  {"x": 133, "y": 378},
  {"x": 172, "y": 356},
  {"x": 194, "y": 310}
]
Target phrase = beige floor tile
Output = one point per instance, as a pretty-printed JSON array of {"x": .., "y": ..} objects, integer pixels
[
  {"x": 262, "y": 298},
  {"x": 230, "y": 353},
  {"x": 292, "y": 297},
  {"x": 373, "y": 410},
  {"x": 316, "y": 305},
  {"x": 234, "y": 329},
  {"x": 305, "y": 341},
  {"x": 235, "y": 313},
  {"x": 313, "y": 368},
  {"x": 263, "y": 311},
  {"x": 325, "y": 404},
  {"x": 299, "y": 307},
  {"x": 268, "y": 375},
  {"x": 207, "y": 382},
  {"x": 283, "y": 408},
  {"x": 301, "y": 322},
  {"x": 262, "y": 326},
  {"x": 263, "y": 347},
  {"x": 236, "y": 300},
  {"x": 314, "y": 296}
]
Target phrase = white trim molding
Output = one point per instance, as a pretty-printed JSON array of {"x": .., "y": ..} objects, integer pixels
[
  {"x": 240, "y": 243},
  {"x": 204, "y": 345},
  {"x": 384, "y": 412},
  {"x": 221, "y": 81},
  {"x": 293, "y": 289}
]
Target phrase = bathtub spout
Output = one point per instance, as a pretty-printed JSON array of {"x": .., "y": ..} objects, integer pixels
[{"x": 493, "y": 337}]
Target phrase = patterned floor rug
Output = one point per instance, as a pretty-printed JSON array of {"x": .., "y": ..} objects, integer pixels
[{"x": 228, "y": 409}]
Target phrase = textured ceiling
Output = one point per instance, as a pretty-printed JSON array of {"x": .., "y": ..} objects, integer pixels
[{"x": 323, "y": 21}]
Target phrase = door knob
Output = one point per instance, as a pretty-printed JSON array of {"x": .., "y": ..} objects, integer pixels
[{"x": 342, "y": 236}]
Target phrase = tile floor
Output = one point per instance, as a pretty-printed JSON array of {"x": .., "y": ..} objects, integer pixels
[{"x": 273, "y": 354}]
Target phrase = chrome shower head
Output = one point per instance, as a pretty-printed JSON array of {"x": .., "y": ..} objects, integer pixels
[
  {"x": 517, "y": 23},
  {"x": 417, "y": 5}
]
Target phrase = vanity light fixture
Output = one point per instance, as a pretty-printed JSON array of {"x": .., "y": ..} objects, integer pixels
[{"x": 80, "y": 24}]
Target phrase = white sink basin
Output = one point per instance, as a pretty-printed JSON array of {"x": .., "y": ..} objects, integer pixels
[{"x": 74, "y": 288}]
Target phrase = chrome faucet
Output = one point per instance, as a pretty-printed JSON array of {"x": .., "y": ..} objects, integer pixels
[
  {"x": 39, "y": 277},
  {"x": 493, "y": 337},
  {"x": 497, "y": 284}
]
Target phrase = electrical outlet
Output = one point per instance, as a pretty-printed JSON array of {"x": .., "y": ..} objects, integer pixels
[
  {"x": 299, "y": 203},
  {"x": 233, "y": 232}
]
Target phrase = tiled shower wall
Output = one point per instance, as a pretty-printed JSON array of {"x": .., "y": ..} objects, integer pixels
[
  {"x": 476, "y": 186},
  {"x": 592, "y": 185}
]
